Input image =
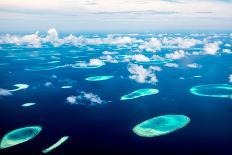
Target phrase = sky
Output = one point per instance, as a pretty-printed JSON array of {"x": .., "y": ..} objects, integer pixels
[{"x": 115, "y": 15}]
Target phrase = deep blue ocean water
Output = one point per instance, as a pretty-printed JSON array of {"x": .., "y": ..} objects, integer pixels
[{"x": 107, "y": 128}]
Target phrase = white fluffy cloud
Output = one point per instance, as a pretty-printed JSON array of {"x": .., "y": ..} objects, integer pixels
[
  {"x": 47, "y": 84},
  {"x": 5, "y": 92},
  {"x": 230, "y": 78},
  {"x": 180, "y": 42},
  {"x": 194, "y": 65},
  {"x": 157, "y": 57},
  {"x": 172, "y": 65},
  {"x": 140, "y": 58},
  {"x": 90, "y": 97},
  {"x": 85, "y": 99},
  {"x": 71, "y": 100},
  {"x": 227, "y": 45},
  {"x": 108, "y": 58},
  {"x": 52, "y": 37},
  {"x": 32, "y": 40},
  {"x": 95, "y": 62},
  {"x": 227, "y": 51},
  {"x": 176, "y": 55},
  {"x": 151, "y": 46},
  {"x": 142, "y": 75},
  {"x": 155, "y": 68},
  {"x": 91, "y": 63},
  {"x": 211, "y": 48}
]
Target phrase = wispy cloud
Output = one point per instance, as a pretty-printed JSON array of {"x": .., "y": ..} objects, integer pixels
[{"x": 152, "y": 12}]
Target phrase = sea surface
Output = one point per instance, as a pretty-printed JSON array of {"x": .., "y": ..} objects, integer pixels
[{"x": 91, "y": 112}]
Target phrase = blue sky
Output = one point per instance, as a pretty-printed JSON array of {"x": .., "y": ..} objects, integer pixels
[{"x": 115, "y": 15}]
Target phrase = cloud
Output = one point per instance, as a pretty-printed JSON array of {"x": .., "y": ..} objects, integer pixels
[
  {"x": 230, "y": 78},
  {"x": 140, "y": 58},
  {"x": 176, "y": 55},
  {"x": 228, "y": 45},
  {"x": 52, "y": 37},
  {"x": 180, "y": 42},
  {"x": 71, "y": 100},
  {"x": 109, "y": 53},
  {"x": 5, "y": 92},
  {"x": 91, "y": 98},
  {"x": 91, "y": 63},
  {"x": 194, "y": 65},
  {"x": 151, "y": 46},
  {"x": 185, "y": 1},
  {"x": 157, "y": 57},
  {"x": 142, "y": 75},
  {"x": 227, "y": 51},
  {"x": 120, "y": 40},
  {"x": 175, "y": 1},
  {"x": 137, "y": 12},
  {"x": 108, "y": 58},
  {"x": 211, "y": 48},
  {"x": 95, "y": 62},
  {"x": 85, "y": 99},
  {"x": 32, "y": 40},
  {"x": 155, "y": 68},
  {"x": 47, "y": 84},
  {"x": 173, "y": 65},
  {"x": 54, "y": 76},
  {"x": 114, "y": 15}
]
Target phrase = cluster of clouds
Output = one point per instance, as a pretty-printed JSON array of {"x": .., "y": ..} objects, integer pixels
[
  {"x": 180, "y": 42},
  {"x": 32, "y": 40},
  {"x": 150, "y": 45},
  {"x": 143, "y": 75},
  {"x": 175, "y": 55},
  {"x": 52, "y": 37},
  {"x": 175, "y": 65},
  {"x": 138, "y": 73},
  {"x": 85, "y": 99}
]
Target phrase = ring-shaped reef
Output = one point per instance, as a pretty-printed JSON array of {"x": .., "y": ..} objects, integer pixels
[
  {"x": 86, "y": 67},
  {"x": 139, "y": 93},
  {"x": 98, "y": 78},
  {"x": 213, "y": 90},
  {"x": 161, "y": 125},
  {"x": 42, "y": 68},
  {"x": 19, "y": 136}
]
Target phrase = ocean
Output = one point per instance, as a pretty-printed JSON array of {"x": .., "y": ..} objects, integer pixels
[{"x": 91, "y": 113}]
